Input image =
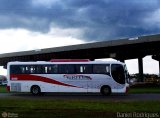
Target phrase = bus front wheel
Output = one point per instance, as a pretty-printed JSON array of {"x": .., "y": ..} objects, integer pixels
[
  {"x": 105, "y": 90},
  {"x": 35, "y": 90}
]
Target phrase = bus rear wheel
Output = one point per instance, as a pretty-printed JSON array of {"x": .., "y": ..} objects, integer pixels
[
  {"x": 105, "y": 90},
  {"x": 35, "y": 90}
]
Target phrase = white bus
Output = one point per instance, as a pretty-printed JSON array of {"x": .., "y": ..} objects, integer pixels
[{"x": 67, "y": 76}]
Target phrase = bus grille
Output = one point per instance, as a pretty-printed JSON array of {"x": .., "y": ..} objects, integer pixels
[{"x": 16, "y": 87}]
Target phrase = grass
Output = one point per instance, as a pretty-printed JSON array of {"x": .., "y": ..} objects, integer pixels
[
  {"x": 3, "y": 89},
  {"x": 145, "y": 90},
  {"x": 73, "y": 108}
]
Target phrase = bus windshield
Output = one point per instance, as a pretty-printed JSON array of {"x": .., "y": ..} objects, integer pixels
[{"x": 118, "y": 73}]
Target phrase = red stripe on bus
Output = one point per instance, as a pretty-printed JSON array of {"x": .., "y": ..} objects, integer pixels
[{"x": 15, "y": 77}]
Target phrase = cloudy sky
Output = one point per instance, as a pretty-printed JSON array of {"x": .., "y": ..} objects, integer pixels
[{"x": 33, "y": 24}]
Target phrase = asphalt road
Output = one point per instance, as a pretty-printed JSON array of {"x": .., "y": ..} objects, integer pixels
[{"x": 84, "y": 96}]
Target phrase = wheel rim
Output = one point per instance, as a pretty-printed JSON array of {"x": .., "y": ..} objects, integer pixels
[
  {"x": 106, "y": 90},
  {"x": 35, "y": 90}
]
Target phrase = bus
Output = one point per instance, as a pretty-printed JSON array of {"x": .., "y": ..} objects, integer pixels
[{"x": 68, "y": 76}]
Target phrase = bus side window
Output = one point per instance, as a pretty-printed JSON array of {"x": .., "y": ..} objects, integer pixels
[
  {"x": 27, "y": 69},
  {"x": 83, "y": 69},
  {"x": 52, "y": 69},
  {"x": 101, "y": 69},
  {"x": 22, "y": 69},
  {"x": 79, "y": 69},
  {"x": 32, "y": 69},
  {"x": 66, "y": 69},
  {"x": 97, "y": 69},
  {"x": 48, "y": 69},
  {"x": 43, "y": 69},
  {"x": 39, "y": 69}
]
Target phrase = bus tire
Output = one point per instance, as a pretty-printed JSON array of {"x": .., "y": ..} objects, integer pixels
[
  {"x": 35, "y": 90},
  {"x": 105, "y": 90}
]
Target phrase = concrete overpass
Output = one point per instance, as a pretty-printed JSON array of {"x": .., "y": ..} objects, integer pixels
[{"x": 122, "y": 49}]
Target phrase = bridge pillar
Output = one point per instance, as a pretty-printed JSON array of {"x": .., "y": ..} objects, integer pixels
[
  {"x": 140, "y": 66},
  {"x": 159, "y": 68},
  {"x": 157, "y": 58}
]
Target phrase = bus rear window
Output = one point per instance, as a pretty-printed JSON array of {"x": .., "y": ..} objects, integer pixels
[
  {"x": 14, "y": 69},
  {"x": 22, "y": 69}
]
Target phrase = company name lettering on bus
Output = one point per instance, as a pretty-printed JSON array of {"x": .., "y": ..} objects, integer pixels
[{"x": 77, "y": 77}]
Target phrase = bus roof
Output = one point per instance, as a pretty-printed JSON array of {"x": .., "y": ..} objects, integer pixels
[{"x": 69, "y": 62}]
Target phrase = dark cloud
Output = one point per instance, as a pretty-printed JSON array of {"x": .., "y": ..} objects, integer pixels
[{"x": 97, "y": 19}]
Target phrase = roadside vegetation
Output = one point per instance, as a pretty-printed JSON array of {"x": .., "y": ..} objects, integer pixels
[{"x": 144, "y": 88}]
